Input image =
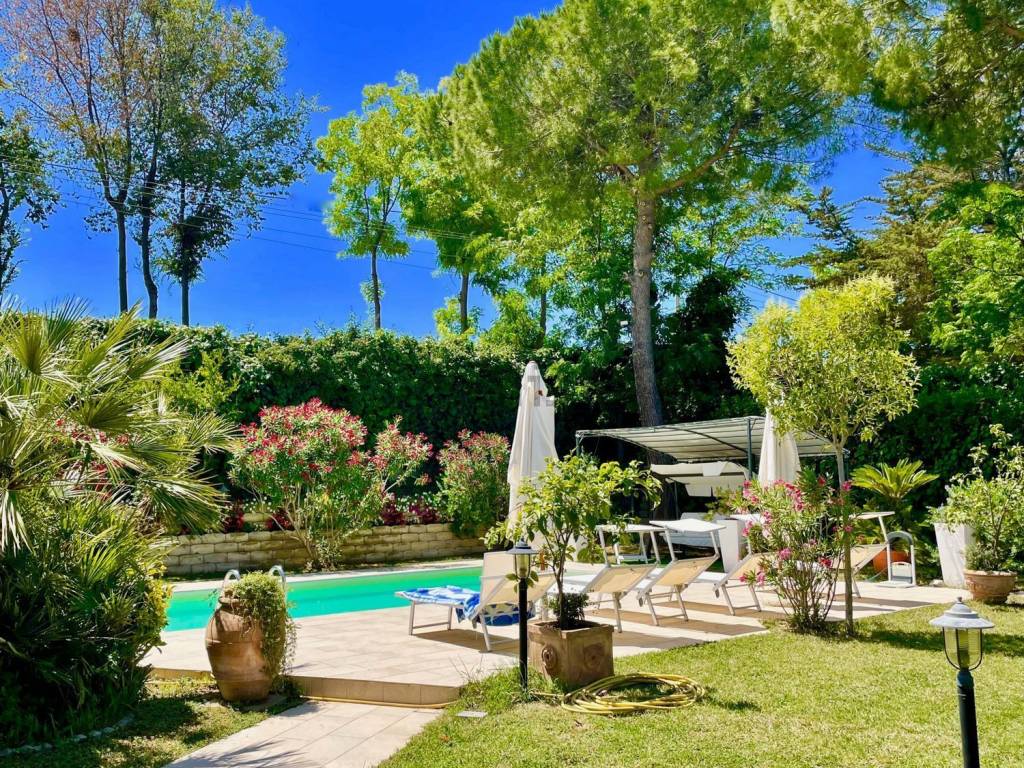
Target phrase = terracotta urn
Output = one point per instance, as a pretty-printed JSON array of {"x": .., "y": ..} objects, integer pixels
[
  {"x": 572, "y": 657},
  {"x": 992, "y": 587},
  {"x": 235, "y": 648}
]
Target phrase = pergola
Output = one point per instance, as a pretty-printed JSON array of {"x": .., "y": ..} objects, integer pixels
[{"x": 737, "y": 440}]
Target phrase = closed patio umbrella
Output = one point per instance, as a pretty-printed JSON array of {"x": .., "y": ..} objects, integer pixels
[
  {"x": 534, "y": 441},
  {"x": 779, "y": 457}
]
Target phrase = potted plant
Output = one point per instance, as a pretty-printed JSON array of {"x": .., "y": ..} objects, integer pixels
[
  {"x": 250, "y": 637},
  {"x": 564, "y": 506},
  {"x": 890, "y": 485},
  {"x": 991, "y": 503}
]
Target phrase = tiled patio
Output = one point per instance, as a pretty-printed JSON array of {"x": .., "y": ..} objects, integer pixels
[
  {"x": 316, "y": 734},
  {"x": 370, "y": 657}
]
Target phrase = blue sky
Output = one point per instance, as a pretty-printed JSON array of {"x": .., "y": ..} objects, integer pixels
[{"x": 286, "y": 278}]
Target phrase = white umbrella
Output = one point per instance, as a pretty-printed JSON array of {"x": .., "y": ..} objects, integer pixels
[
  {"x": 780, "y": 459},
  {"x": 534, "y": 441}
]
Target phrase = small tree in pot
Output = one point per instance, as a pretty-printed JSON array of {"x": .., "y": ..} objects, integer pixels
[
  {"x": 993, "y": 505},
  {"x": 565, "y": 505}
]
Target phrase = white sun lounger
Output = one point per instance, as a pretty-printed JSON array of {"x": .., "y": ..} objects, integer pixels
[
  {"x": 860, "y": 556},
  {"x": 612, "y": 580},
  {"x": 672, "y": 580},
  {"x": 721, "y": 581}
]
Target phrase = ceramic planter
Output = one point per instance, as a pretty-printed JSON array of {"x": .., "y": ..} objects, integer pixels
[
  {"x": 235, "y": 649},
  {"x": 991, "y": 587},
  {"x": 573, "y": 657}
]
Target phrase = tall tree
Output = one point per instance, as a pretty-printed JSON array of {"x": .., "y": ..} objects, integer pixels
[
  {"x": 233, "y": 138},
  {"x": 25, "y": 192},
  {"x": 373, "y": 157},
  {"x": 832, "y": 366},
  {"x": 81, "y": 64},
  {"x": 443, "y": 205},
  {"x": 670, "y": 102}
]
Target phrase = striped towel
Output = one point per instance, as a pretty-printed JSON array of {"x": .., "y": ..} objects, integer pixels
[{"x": 466, "y": 603}]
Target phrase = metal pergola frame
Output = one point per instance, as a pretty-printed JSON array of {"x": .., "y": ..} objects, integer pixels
[{"x": 736, "y": 439}]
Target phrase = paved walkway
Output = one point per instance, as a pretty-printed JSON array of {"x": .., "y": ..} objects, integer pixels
[{"x": 317, "y": 734}]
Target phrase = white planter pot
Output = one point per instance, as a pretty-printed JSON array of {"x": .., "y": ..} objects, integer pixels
[
  {"x": 953, "y": 544},
  {"x": 732, "y": 542}
]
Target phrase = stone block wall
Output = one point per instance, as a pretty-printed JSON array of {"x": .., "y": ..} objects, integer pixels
[{"x": 219, "y": 552}]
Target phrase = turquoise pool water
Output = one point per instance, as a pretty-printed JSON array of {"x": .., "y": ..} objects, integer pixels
[{"x": 192, "y": 609}]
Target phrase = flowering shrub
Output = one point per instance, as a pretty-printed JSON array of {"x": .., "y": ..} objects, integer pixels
[
  {"x": 410, "y": 510},
  {"x": 308, "y": 462},
  {"x": 234, "y": 520},
  {"x": 799, "y": 530},
  {"x": 473, "y": 489}
]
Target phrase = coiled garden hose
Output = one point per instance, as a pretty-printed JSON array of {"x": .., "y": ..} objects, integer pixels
[{"x": 628, "y": 694}]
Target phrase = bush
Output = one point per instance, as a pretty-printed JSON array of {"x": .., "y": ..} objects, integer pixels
[
  {"x": 473, "y": 487},
  {"x": 990, "y": 499},
  {"x": 95, "y": 466},
  {"x": 307, "y": 462},
  {"x": 801, "y": 533}
]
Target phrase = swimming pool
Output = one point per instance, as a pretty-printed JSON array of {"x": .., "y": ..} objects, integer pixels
[{"x": 191, "y": 609}]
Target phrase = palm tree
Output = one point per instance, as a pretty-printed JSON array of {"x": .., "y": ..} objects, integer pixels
[{"x": 81, "y": 414}]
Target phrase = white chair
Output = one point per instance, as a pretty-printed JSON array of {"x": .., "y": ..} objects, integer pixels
[
  {"x": 721, "y": 581},
  {"x": 612, "y": 580},
  {"x": 672, "y": 580}
]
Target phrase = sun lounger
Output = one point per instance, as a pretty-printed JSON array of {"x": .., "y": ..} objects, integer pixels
[
  {"x": 612, "y": 580},
  {"x": 723, "y": 581},
  {"x": 671, "y": 580},
  {"x": 860, "y": 556},
  {"x": 495, "y": 605}
]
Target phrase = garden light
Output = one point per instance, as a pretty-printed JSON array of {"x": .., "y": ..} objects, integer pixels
[
  {"x": 962, "y": 630},
  {"x": 522, "y": 556}
]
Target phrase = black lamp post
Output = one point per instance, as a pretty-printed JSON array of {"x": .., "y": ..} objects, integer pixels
[
  {"x": 522, "y": 556},
  {"x": 962, "y": 636}
]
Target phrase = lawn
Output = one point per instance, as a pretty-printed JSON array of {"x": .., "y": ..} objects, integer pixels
[
  {"x": 176, "y": 717},
  {"x": 776, "y": 700}
]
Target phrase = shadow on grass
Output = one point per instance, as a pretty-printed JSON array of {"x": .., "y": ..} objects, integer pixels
[
  {"x": 732, "y": 705},
  {"x": 996, "y": 644}
]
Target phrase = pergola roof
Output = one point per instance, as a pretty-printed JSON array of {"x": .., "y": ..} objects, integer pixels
[{"x": 736, "y": 439}]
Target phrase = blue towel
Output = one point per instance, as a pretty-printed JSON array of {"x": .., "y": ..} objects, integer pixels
[{"x": 465, "y": 602}]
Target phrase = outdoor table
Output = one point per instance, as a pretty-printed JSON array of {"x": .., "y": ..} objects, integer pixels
[
  {"x": 689, "y": 525},
  {"x": 641, "y": 530}
]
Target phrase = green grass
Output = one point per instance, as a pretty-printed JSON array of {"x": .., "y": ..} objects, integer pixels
[
  {"x": 176, "y": 717},
  {"x": 779, "y": 700}
]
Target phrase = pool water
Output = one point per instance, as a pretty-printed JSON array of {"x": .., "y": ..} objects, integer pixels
[{"x": 191, "y": 609}]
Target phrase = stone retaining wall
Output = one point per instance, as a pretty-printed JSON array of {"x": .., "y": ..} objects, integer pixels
[{"x": 218, "y": 552}]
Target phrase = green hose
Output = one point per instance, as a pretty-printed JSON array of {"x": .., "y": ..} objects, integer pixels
[{"x": 628, "y": 694}]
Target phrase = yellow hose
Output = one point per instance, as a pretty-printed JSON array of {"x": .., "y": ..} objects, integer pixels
[{"x": 607, "y": 697}]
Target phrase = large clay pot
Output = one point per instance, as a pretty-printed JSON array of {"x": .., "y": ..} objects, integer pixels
[
  {"x": 991, "y": 587},
  {"x": 881, "y": 565},
  {"x": 573, "y": 657},
  {"x": 235, "y": 649}
]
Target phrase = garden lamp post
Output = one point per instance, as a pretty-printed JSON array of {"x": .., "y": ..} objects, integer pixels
[
  {"x": 962, "y": 637},
  {"x": 522, "y": 556}
]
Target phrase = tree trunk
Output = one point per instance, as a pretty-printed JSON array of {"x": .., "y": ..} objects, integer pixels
[
  {"x": 122, "y": 257},
  {"x": 375, "y": 280},
  {"x": 847, "y": 550},
  {"x": 464, "y": 303},
  {"x": 543, "y": 299},
  {"x": 145, "y": 248},
  {"x": 647, "y": 397},
  {"x": 184, "y": 302}
]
